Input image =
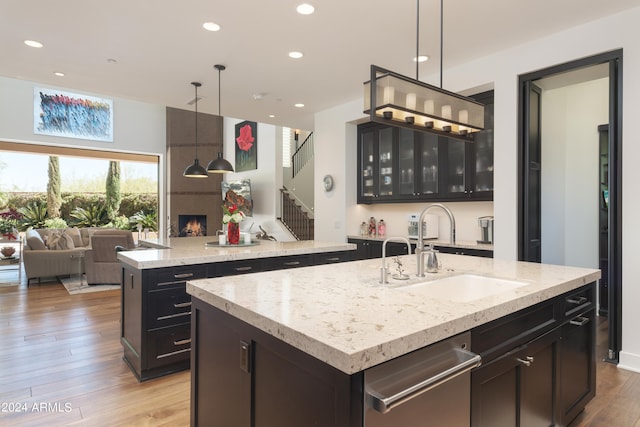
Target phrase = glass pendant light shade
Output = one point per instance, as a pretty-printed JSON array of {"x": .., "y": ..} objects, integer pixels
[
  {"x": 219, "y": 165},
  {"x": 195, "y": 170}
]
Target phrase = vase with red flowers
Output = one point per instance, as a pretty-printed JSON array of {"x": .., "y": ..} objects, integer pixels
[{"x": 232, "y": 218}]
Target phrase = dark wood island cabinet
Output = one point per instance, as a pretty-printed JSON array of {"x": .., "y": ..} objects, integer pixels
[
  {"x": 253, "y": 364},
  {"x": 156, "y": 313}
]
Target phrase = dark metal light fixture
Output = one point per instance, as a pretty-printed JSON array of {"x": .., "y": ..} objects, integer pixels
[
  {"x": 195, "y": 170},
  {"x": 403, "y": 101},
  {"x": 219, "y": 165}
]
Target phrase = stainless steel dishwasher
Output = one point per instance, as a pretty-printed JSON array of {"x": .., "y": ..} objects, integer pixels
[{"x": 428, "y": 387}]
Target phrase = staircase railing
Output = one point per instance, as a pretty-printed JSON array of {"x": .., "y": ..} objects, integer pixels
[
  {"x": 294, "y": 218},
  {"x": 303, "y": 154}
]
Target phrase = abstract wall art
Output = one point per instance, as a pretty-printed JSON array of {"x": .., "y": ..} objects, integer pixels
[{"x": 59, "y": 113}]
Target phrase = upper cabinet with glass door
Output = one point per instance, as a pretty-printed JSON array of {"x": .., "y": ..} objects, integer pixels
[{"x": 403, "y": 165}]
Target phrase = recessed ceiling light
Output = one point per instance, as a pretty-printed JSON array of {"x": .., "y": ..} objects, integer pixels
[
  {"x": 295, "y": 54},
  {"x": 33, "y": 43},
  {"x": 211, "y": 26},
  {"x": 59, "y": 74},
  {"x": 298, "y": 105},
  {"x": 305, "y": 9},
  {"x": 421, "y": 58},
  {"x": 272, "y": 115}
]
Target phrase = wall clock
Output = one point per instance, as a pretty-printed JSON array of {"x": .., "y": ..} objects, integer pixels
[{"x": 327, "y": 181}]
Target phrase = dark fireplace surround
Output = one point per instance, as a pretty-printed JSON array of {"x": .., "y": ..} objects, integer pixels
[{"x": 189, "y": 197}]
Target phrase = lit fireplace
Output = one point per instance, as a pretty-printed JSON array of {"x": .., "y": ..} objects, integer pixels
[{"x": 192, "y": 225}]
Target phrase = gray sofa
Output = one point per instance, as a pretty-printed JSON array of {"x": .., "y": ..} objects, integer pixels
[{"x": 53, "y": 253}]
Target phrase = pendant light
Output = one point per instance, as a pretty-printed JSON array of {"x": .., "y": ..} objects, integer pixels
[
  {"x": 406, "y": 102},
  {"x": 195, "y": 170},
  {"x": 220, "y": 165}
]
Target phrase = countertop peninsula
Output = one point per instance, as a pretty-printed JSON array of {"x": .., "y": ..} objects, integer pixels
[
  {"x": 341, "y": 314},
  {"x": 171, "y": 252}
]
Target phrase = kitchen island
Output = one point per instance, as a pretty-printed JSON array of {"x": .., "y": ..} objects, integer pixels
[
  {"x": 294, "y": 346},
  {"x": 156, "y": 310}
]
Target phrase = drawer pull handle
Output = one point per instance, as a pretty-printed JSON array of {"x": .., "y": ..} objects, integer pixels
[
  {"x": 182, "y": 342},
  {"x": 527, "y": 361},
  {"x": 579, "y": 321},
  {"x": 247, "y": 268},
  {"x": 335, "y": 258},
  {"x": 182, "y": 304},
  {"x": 292, "y": 263},
  {"x": 183, "y": 275},
  {"x": 173, "y": 316},
  {"x": 577, "y": 301},
  {"x": 173, "y": 353}
]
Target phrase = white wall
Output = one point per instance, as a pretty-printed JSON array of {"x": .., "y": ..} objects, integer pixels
[
  {"x": 502, "y": 70},
  {"x": 266, "y": 180},
  {"x": 570, "y": 172},
  {"x": 138, "y": 127}
]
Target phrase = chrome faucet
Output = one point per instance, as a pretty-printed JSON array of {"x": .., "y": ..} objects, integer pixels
[
  {"x": 383, "y": 270},
  {"x": 420, "y": 245}
]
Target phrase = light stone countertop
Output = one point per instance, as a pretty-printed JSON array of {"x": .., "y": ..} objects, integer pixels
[
  {"x": 193, "y": 250},
  {"x": 340, "y": 314}
]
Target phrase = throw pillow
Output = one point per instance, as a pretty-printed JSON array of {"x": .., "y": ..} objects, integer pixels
[
  {"x": 34, "y": 240},
  {"x": 60, "y": 240},
  {"x": 74, "y": 233}
]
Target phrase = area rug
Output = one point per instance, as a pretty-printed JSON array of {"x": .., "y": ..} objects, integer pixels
[{"x": 74, "y": 286}]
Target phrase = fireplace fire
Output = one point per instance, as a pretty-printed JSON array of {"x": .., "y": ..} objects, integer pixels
[{"x": 192, "y": 225}]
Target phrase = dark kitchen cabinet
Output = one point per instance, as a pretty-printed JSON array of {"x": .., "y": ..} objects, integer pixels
[
  {"x": 538, "y": 364},
  {"x": 156, "y": 309},
  {"x": 398, "y": 164},
  {"x": 367, "y": 249},
  {"x": 577, "y": 358},
  {"x": 246, "y": 377},
  {"x": 156, "y": 319},
  {"x": 517, "y": 388}
]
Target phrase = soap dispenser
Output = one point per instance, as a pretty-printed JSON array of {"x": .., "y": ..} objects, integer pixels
[{"x": 432, "y": 260}]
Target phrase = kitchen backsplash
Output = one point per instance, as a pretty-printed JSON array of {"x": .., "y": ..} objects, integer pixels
[{"x": 396, "y": 218}]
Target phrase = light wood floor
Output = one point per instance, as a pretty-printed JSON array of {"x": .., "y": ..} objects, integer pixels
[{"x": 63, "y": 352}]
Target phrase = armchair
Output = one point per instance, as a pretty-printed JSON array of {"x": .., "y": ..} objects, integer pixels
[{"x": 101, "y": 264}]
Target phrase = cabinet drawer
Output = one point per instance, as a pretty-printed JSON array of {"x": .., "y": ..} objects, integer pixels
[
  {"x": 504, "y": 334},
  {"x": 175, "y": 276},
  {"x": 168, "y": 307},
  {"x": 239, "y": 267},
  {"x": 579, "y": 301},
  {"x": 169, "y": 345},
  {"x": 287, "y": 262},
  {"x": 331, "y": 257}
]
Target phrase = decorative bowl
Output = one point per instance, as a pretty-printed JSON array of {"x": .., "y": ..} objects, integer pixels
[{"x": 7, "y": 251}]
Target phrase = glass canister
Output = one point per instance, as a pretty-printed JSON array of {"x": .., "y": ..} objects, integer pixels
[
  {"x": 364, "y": 229},
  {"x": 382, "y": 228},
  {"x": 372, "y": 227}
]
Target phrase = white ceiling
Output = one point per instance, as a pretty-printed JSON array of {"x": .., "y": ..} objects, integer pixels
[{"x": 160, "y": 46}]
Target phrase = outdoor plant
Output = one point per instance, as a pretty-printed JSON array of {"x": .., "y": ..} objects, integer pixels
[
  {"x": 92, "y": 216},
  {"x": 34, "y": 215},
  {"x": 142, "y": 220},
  {"x": 9, "y": 221},
  {"x": 56, "y": 222}
]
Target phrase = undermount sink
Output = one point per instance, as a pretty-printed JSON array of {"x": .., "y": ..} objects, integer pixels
[{"x": 465, "y": 287}]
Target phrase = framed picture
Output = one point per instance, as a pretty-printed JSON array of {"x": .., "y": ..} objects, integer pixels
[
  {"x": 246, "y": 146},
  {"x": 59, "y": 113}
]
